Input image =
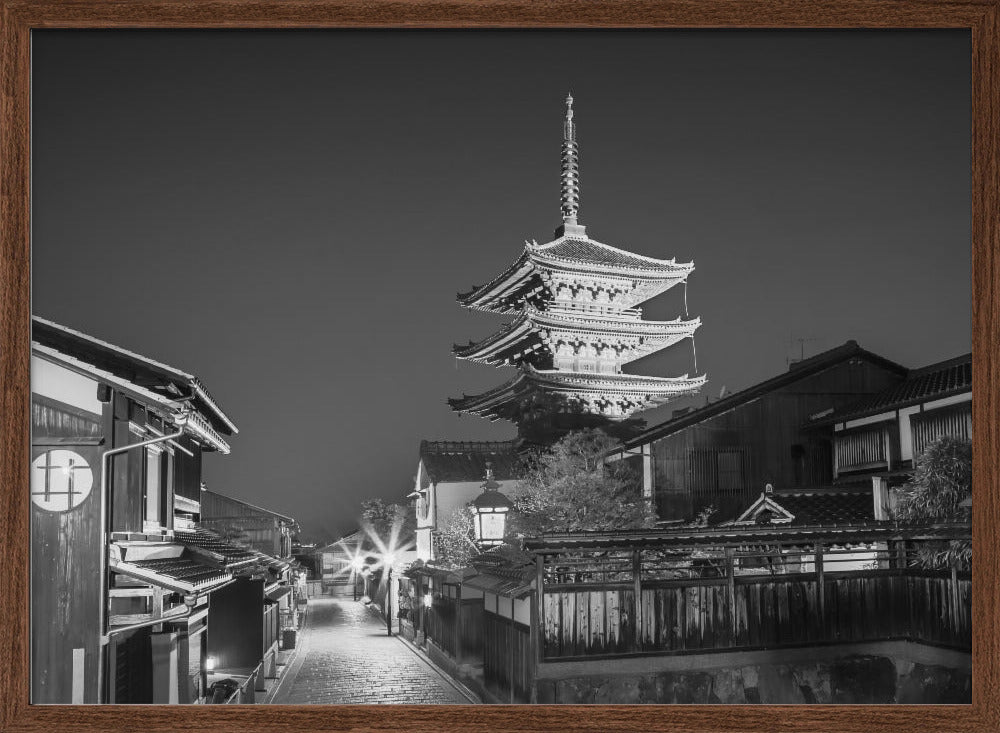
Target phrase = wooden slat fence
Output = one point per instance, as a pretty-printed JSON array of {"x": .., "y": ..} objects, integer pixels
[
  {"x": 507, "y": 656},
  {"x": 757, "y": 611},
  {"x": 439, "y": 623}
]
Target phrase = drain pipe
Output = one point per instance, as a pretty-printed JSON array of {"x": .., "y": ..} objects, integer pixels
[
  {"x": 189, "y": 604},
  {"x": 180, "y": 420}
]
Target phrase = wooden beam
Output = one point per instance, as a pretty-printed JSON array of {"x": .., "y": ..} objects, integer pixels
[
  {"x": 130, "y": 618},
  {"x": 139, "y": 592}
]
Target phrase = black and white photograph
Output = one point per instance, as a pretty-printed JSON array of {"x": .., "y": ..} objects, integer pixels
[{"x": 501, "y": 367}]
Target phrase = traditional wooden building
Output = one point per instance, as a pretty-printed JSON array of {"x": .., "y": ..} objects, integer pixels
[
  {"x": 876, "y": 440},
  {"x": 119, "y": 595},
  {"x": 263, "y": 529},
  {"x": 334, "y": 562},
  {"x": 723, "y": 454},
  {"x": 576, "y": 322},
  {"x": 449, "y": 475}
]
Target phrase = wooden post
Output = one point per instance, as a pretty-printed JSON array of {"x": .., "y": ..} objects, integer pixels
[
  {"x": 540, "y": 608},
  {"x": 637, "y": 610},
  {"x": 534, "y": 633},
  {"x": 955, "y": 624},
  {"x": 458, "y": 625},
  {"x": 419, "y": 616},
  {"x": 510, "y": 649},
  {"x": 820, "y": 589},
  {"x": 731, "y": 578}
]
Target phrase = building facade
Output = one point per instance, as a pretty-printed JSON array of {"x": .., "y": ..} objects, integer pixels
[
  {"x": 723, "y": 454},
  {"x": 576, "y": 323},
  {"x": 118, "y": 601},
  {"x": 877, "y": 440},
  {"x": 450, "y": 474},
  {"x": 263, "y": 529}
]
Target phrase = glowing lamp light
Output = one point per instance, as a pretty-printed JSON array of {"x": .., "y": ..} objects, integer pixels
[
  {"x": 389, "y": 559},
  {"x": 489, "y": 511},
  {"x": 209, "y": 663},
  {"x": 357, "y": 563},
  {"x": 428, "y": 600}
]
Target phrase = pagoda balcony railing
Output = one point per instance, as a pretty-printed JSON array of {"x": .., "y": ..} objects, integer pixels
[{"x": 575, "y": 308}]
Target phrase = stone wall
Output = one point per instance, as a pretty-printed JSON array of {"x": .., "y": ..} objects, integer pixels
[{"x": 857, "y": 678}]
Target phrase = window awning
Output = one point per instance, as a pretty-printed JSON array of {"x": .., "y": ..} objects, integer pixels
[
  {"x": 506, "y": 587},
  {"x": 167, "y": 565},
  {"x": 278, "y": 593},
  {"x": 214, "y": 549}
]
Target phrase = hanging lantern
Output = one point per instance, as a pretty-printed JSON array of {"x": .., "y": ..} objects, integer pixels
[{"x": 490, "y": 512}]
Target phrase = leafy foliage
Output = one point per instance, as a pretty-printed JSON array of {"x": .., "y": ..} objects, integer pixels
[
  {"x": 936, "y": 491},
  {"x": 941, "y": 482},
  {"x": 570, "y": 488},
  {"x": 455, "y": 545},
  {"x": 389, "y": 520},
  {"x": 543, "y": 418}
]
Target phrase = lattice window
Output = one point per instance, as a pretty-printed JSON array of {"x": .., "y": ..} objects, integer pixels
[
  {"x": 929, "y": 426},
  {"x": 718, "y": 470},
  {"x": 861, "y": 449}
]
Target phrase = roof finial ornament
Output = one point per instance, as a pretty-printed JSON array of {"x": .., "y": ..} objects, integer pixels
[{"x": 570, "y": 176}]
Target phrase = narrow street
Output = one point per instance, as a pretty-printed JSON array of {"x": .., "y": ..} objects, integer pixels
[{"x": 345, "y": 657}]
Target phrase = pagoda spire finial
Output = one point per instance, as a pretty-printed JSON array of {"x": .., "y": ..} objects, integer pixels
[{"x": 570, "y": 175}]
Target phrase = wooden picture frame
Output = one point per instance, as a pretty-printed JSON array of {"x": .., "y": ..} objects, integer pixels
[{"x": 19, "y": 17}]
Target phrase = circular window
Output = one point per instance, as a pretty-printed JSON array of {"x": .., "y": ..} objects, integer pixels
[{"x": 60, "y": 480}]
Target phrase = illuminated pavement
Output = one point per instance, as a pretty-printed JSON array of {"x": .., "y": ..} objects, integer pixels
[{"x": 345, "y": 657}]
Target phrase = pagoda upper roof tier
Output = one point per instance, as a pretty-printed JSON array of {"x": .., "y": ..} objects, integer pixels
[
  {"x": 535, "y": 329},
  {"x": 634, "y": 278},
  {"x": 616, "y": 396}
]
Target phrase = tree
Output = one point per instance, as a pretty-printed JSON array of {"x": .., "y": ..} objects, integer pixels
[
  {"x": 570, "y": 488},
  {"x": 389, "y": 521},
  {"x": 938, "y": 491},
  {"x": 542, "y": 418},
  {"x": 455, "y": 545}
]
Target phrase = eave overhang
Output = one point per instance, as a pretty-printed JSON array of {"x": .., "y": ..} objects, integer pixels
[
  {"x": 502, "y": 293},
  {"x": 196, "y": 424},
  {"x": 168, "y": 565},
  {"x": 535, "y": 329},
  {"x": 632, "y": 392}
]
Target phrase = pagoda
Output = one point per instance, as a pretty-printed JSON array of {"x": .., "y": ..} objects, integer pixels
[{"x": 576, "y": 322}]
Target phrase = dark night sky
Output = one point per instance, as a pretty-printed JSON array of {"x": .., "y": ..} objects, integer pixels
[{"x": 290, "y": 214}]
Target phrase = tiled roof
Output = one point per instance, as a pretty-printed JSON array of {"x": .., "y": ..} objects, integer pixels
[
  {"x": 161, "y": 378},
  {"x": 185, "y": 569},
  {"x": 588, "y": 251},
  {"x": 229, "y": 554},
  {"x": 938, "y": 380},
  {"x": 821, "y": 508},
  {"x": 801, "y": 370},
  {"x": 454, "y": 461}
]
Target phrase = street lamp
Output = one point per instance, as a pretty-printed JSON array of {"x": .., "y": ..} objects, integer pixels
[
  {"x": 356, "y": 564},
  {"x": 489, "y": 511},
  {"x": 387, "y": 560},
  {"x": 365, "y": 572}
]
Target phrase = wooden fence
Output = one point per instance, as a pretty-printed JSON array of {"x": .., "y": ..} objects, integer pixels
[
  {"x": 455, "y": 626},
  {"x": 731, "y": 612},
  {"x": 507, "y": 656}
]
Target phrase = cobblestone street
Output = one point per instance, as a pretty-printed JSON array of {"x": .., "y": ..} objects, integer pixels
[{"x": 345, "y": 657}]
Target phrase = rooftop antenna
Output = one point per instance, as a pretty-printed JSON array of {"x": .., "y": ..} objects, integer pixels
[{"x": 801, "y": 341}]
